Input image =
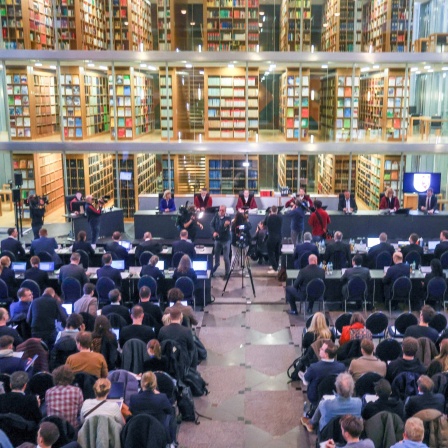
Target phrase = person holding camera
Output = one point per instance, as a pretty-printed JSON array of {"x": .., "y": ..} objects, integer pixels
[
  {"x": 274, "y": 226},
  {"x": 37, "y": 213},
  {"x": 187, "y": 220},
  {"x": 240, "y": 233},
  {"x": 220, "y": 226},
  {"x": 93, "y": 216}
]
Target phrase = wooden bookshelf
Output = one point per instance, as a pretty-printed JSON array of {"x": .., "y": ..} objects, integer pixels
[
  {"x": 188, "y": 173},
  {"x": 135, "y": 109},
  {"x": 287, "y": 169},
  {"x": 225, "y": 104},
  {"x": 333, "y": 173},
  {"x": 168, "y": 85},
  {"x": 374, "y": 174},
  {"x": 438, "y": 43},
  {"x": 131, "y": 25},
  {"x": 342, "y": 26},
  {"x": 295, "y": 105},
  {"x": 73, "y": 103},
  {"x": 295, "y": 17},
  {"x": 24, "y": 164},
  {"x": 166, "y": 184},
  {"x": 96, "y": 103},
  {"x": 385, "y": 25},
  {"x": 339, "y": 104},
  {"x": 165, "y": 24},
  {"x": 231, "y": 25},
  {"x": 384, "y": 105},
  {"x": 227, "y": 174}
]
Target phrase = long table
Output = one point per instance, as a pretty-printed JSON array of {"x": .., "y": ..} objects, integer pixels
[
  {"x": 361, "y": 224},
  {"x": 110, "y": 221}
]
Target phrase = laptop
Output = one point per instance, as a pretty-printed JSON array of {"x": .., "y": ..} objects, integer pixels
[
  {"x": 117, "y": 332},
  {"x": 116, "y": 390},
  {"x": 200, "y": 267},
  {"x": 161, "y": 265},
  {"x": 47, "y": 266},
  {"x": 425, "y": 269},
  {"x": 118, "y": 264},
  {"x": 386, "y": 268},
  {"x": 183, "y": 302},
  {"x": 19, "y": 267},
  {"x": 126, "y": 244},
  {"x": 431, "y": 245},
  {"x": 403, "y": 243},
  {"x": 91, "y": 271},
  {"x": 135, "y": 270},
  {"x": 372, "y": 242},
  {"x": 68, "y": 307}
]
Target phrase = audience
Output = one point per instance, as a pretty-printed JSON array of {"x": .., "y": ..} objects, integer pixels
[
  {"x": 8, "y": 275},
  {"x": 152, "y": 270},
  {"x": 385, "y": 402},
  {"x": 8, "y": 331},
  {"x": 116, "y": 307},
  {"x": 318, "y": 329},
  {"x": 422, "y": 329},
  {"x": 45, "y": 244},
  {"x": 136, "y": 330},
  {"x": 12, "y": 244},
  {"x": 87, "y": 303},
  {"x": 115, "y": 248},
  {"x": 436, "y": 271},
  {"x": 82, "y": 244},
  {"x": 156, "y": 360},
  {"x": 108, "y": 271},
  {"x": 75, "y": 324},
  {"x": 367, "y": 362},
  {"x": 73, "y": 270},
  {"x": 8, "y": 362},
  {"x": 184, "y": 269},
  {"x": 425, "y": 399},
  {"x": 184, "y": 245},
  {"x": 408, "y": 362},
  {"x": 153, "y": 313},
  {"x": 175, "y": 296},
  {"x": 351, "y": 428},
  {"x": 440, "y": 362},
  {"x": 47, "y": 435},
  {"x": 413, "y": 435},
  {"x": 36, "y": 274},
  {"x": 25, "y": 297},
  {"x": 105, "y": 342},
  {"x": 148, "y": 245},
  {"x": 356, "y": 330}
]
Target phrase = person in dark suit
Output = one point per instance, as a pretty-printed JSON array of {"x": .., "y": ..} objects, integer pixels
[
  {"x": 338, "y": 252},
  {"x": 443, "y": 245},
  {"x": 73, "y": 270},
  {"x": 137, "y": 330},
  {"x": 17, "y": 402},
  {"x": 347, "y": 203},
  {"x": 45, "y": 244},
  {"x": 152, "y": 270},
  {"x": 385, "y": 402},
  {"x": 82, "y": 244},
  {"x": 8, "y": 331},
  {"x": 389, "y": 201},
  {"x": 113, "y": 247},
  {"x": 374, "y": 251},
  {"x": 12, "y": 244},
  {"x": 356, "y": 271},
  {"x": 306, "y": 247},
  {"x": 399, "y": 269},
  {"x": 148, "y": 245},
  {"x": 185, "y": 270},
  {"x": 116, "y": 307},
  {"x": 8, "y": 275},
  {"x": 298, "y": 290},
  {"x": 436, "y": 271},
  {"x": 274, "y": 243},
  {"x": 412, "y": 246},
  {"x": 36, "y": 274},
  {"x": 153, "y": 313},
  {"x": 108, "y": 271},
  {"x": 184, "y": 245},
  {"x": 428, "y": 203},
  {"x": 246, "y": 201},
  {"x": 425, "y": 399}
]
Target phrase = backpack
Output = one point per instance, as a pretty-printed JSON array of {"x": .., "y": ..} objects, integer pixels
[
  {"x": 196, "y": 383},
  {"x": 301, "y": 364},
  {"x": 177, "y": 360},
  {"x": 202, "y": 351},
  {"x": 185, "y": 404}
]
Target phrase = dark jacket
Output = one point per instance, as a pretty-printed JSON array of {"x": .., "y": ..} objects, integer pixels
[
  {"x": 11, "y": 364},
  {"x": 190, "y": 274},
  {"x": 147, "y": 402},
  {"x": 307, "y": 274},
  {"x": 384, "y": 429},
  {"x": 73, "y": 271},
  {"x": 39, "y": 276},
  {"x": 121, "y": 310},
  {"x": 356, "y": 271},
  {"x": 375, "y": 251},
  {"x": 142, "y": 332},
  {"x": 399, "y": 365},
  {"x": 217, "y": 225},
  {"x": 390, "y": 404},
  {"x": 43, "y": 313},
  {"x": 342, "y": 203},
  {"x": 152, "y": 271},
  {"x": 45, "y": 244},
  {"x": 154, "y": 311},
  {"x": 186, "y": 247},
  {"x": 420, "y": 331},
  {"x": 9, "y": 331},
  {"x": 274, "y": 226},
  {"x": 301, "y": 249},
  {"x": 85, "y": 246},
  {"x": 13, "y": 246},
  {"x": 335, "y": 247},
  {"x": 297, "y": 216},
  {"x": 9, "y": 277},
  {"x": 405, "y": 250},
  {"x": 120, "y": 252},
  {"x": 24, "y": 405},
  {"x": 440, "y": 249},
  {"x": 110, "y": 272},
  {"x": 427, "y": 400},
  {"x": 396, "y": 271},
  {"x": 432, "y": 202},
  {"x": 182, "y": 335},
  {"x": 148, "y": 246}
]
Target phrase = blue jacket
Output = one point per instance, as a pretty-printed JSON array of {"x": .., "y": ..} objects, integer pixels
[{"x": 164, "y": 204}]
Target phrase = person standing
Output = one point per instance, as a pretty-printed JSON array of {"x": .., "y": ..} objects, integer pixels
[
  {"x": 94, "y": 216},
  {"x": 37, "y": 214},
  {"x": 274, "y": 226},
  {"x": 220, "y": 226},
  {"x": 319, "y": 221},
  {"x": 297, "y": 215},
  {"x": 189, "y": 223}
]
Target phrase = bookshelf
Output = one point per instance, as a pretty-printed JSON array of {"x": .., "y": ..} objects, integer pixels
[
  {"x": 24, "y": 164},
  {"x": 384, "y": 105},
  {"x": 385, "y": 25},
  {"x": 287, "y": 171},
  {"x": 438, "y": 43},
  {"x": 295, "y": 104},
  {"x": 188, "y": 173},
  {"x": 227, "y": 175},
  {"x": 333, "y": 173},
  {"x": 229, "y": 22},
  {"x": 374, "y": 174},
  {"x": 165, "y": 23},
  {"x": 135, "y": 109},
  {"x": 166, "y": 184},
  {"x": 342, "y": 26},
  {"x": 339, "y": 105},
  {"x": 167, "y": 83},
  {"x": 96, "y": 99},
  {"x": 225, "y": 104},
  {"x": 295, "y": 18},
  {"x": 131, "y": 25}
]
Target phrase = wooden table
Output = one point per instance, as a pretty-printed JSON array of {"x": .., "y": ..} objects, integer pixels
[
  {"x": 424, "y": 125},
  {"x": 4, "y": 194}
]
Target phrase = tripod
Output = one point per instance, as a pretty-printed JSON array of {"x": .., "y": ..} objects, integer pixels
[
  {"x": 18, "y": 212},
  {"x": 241, "y": 261}
]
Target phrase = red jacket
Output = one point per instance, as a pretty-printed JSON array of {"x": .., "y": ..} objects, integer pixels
[{"x": 317, "y": 229}]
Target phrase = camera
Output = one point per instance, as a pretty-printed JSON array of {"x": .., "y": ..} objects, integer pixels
[
  {"x": 102, "y": 200},
  {"x": 34, "y": 201},
  {"x": 242, "y": 237}
]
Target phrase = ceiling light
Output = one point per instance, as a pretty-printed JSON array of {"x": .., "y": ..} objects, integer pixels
[
  {"x": 324, "y": 66},
  {"x": 376, "y": 66},
  {"x": 260, "y": 24},
  {"x": 201, "y": 72},
  {"x": 261, "y": 13},
  {"x": 126, "y": 23},
  {"x": 192, "y": 23},
  {"x": 103, "y": 67},
  {"x": 53, "y": 67},
  {"x": 183, "y": 11},
  {"x": 430, "y": 70},
  {"x": 414, "y": 69},
  {"x": 188, "y": 65},
  {"x": 365, "y": 69},
  {"x": 337, "y": 14},
  {"x": 230, "y": 66},
  {"x": 90, "y": 64},
  {"x": 38, "y": 64},
  {"x": 246, "y": 164},
  {"x": 444, "y": 68},
  {"x": 142, "y": 65},
  {"x": 427, "y": 67},
  {"x": 151, "y": 67},
  {"x": 418, "y": 73}
]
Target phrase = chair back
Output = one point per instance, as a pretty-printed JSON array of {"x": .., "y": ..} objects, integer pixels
[
  {"x": 303, "y": 261},
  {"x": 444, "y": 260},
  {"x": 145, "y": 257},
  {"x": 71, "y": 289},
  {"x": 405, "y": 320},
  {"x": 84, "y": 258},
  {"x": 33, "y": 287},
  {"x": 133, "y": 355},
  {"x": 67, "y": 434},
  {"x": 4, "y": 294},
  {"x": 342, "y": 321},
  {"x": 366, "y": 384},
  {"x": 150, "y": 282},
  {"x": 308, "y": 321},
  {"x": 357, "y": 289},
  {"x": 144, "y": 430},
  {"x": 39, "y": 384},
  {"x": 5, "y": 379},
  {"x": 438, "y": 322},
  {"x": 339, "y": 259},
  {"x": 176, "y": 259},
  {"x": 326, "y": 386},
  {"x": 436, "y": 124},
  {"x": 332, "y": 430},
  {"x": 186, "y": 285},
  {"x": 116, "y": 321},
  {"x": 9, "y": 254},
  {"x": 388, "y": 350},
  {"x": 413, "y": 257},
  {"x": 383, "y": 259},
  {"x": 103, "y": 286},
  {"x": 315, "y": 289},
  {"x": 401, "y": 288},
  {"x": 436, "y": 289},
  {"x": 85, "y": 382},
  {"x": 377, "y": 324},
  {"x": 45, "y": 256}
]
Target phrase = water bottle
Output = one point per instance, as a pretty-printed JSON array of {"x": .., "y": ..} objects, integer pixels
[
  {"x": 330, "y": 268},
  {"x": 420, "y": 242}
]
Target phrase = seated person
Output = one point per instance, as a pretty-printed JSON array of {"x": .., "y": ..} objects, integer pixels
[
  {"x": 116, "y": 307},
  {"x": 108, "y": 271},
  {"x": 302, "y": 197},
  {"x": 74, "y": 203},
  {"x": 436, "y": 271},
  {"x": 367, "y": 362},
  {"x": 399, "y": 269},
  {"x": 152, "y": 270},
  {"x": 184, "y": 269},
  {"x": 422, "y": 329},
  {"x": 73, "y": 270},
  {"x": 374, "y": 251},
  {"x": 408, "y": 362},
  {"x": 12, "y": 244},
  {"x": 156, "y": 361},
  {"x": 440, "y": 363},
  {"x": 246, "y": 201},
  {"x": 45, "y": 244},
  {"x": 441, "y": 247},
  {"x": 184, "y": 245},
  {"x": 8, "y": 275},
  {"x": 74, "y": 324},
  {"x": 356, "y": 271},
  {"x": 88, "y": 303},
  {"x": 148, "y": 245},
  {"x": 347, "y": 203},
  {"x": 25, "y": 297},
  {"x": 19, "y": 403},
  {"x": 351, "y": 429},
  {"x": 356, "y": 330},
  {"x": 8, "y": 362},
  {"x": 202, "y": 200},
  {"x": 114, "y": 247},
  {"x": 176, "y": 296},
  {"x": 338, "y": 252},
  {"x": 6, "y": 330},
  {"x": 428, "y": 203},
  {"x": 385, "y": 401},
  {"x": 82, "y": 244},
  {"x": 389, "y": 201},
  {"x": 167, "y": 203},
  {"x": 412, "y": 246},
  {"x": 413, "y": 435},
  {"x": 36, "y": 274},
  {"x": 302, "y": 248},
  {"x": 153, "y": 313},
  {"x": 136, "y": 330},
  {"x": 318, "y": 329},
  {"x": 425, "y": 399}
]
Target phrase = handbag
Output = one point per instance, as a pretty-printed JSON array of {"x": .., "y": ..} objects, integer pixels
[{"x": 327, "y": 234}]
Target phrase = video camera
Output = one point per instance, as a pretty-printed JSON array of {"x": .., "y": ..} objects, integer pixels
[
  {"x": 242, "y": 236},
  {"x": 102, "y": 200},
  {"x": 34, "y": 201}
]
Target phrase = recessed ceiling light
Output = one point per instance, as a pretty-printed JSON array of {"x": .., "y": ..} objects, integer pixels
[
  {"x": 103, "y": 67},
  {"x": 261, "y": 13},
  {"x": 427, "y": 67},
  {"x": 188, "y": 65},
  {"x": 324, "y": 66},
  {"x": 230, "y": 66},
  {"x": 53, "y": 67},
  {"x": 418, "y": 73},
  {"x": 38, "y": 64},
  {"x": 414, "y": 69},
  {"x": 192, "y": 23},
  {"x": 201, "y": 72},
  {"x": 183, "y": 11},
  {"x": 365, "y": 69},
  {"x": 143, "y": 65},
  {"x": 90, "y": 64},
  {"x": 444, "y": 68},
  {"x": 376, "y": 66}
]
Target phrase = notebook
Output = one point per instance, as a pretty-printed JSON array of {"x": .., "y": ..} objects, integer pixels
[
  {"x": 47, "y": 266},
  {"x": 118, "y": 264},
  {"x": 200, "y": 267}
]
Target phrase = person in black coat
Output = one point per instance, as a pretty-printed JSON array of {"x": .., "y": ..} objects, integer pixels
[
  {"x": 148, "y": 245},
  {"x": 436, "y": 271},
  {"x": 114, "y": 247},
  {"x": 274, "y": 243},
  {"x": 116, "y": 307},
  {"x": 12, "y": 244},
  {"x": 399, "y": 269},
  {"x": 412, "y": 246},
  {"x": 347, "y": 203},
  {"x": 105, "y": 342},
  {"x": 306, "y": 247},
  {"x": 82, "y": 244},
  {"x": 425, "y": 399},
  {"x": 152, "y": 270},
  {"x": 8, "y": 331},
  {"x": 152, "y": 311},
  {"x": 184, "y": 269},
  {"x": 156, "y": 361},
  {"x": 298, "y": 290},
  {"x": 136, "y": 330},
  {"x": 338, "y": 252},
  {"x": 36, "y": 274},
  {"x": 73, "y": 270},
  {"x": 108, "y": 271},
  {"x": 45, "y": 244},
  {"x": 184, "y": 245},
  {"x": 443, "y": 245},
  {"x": 356, "y": 271},
  {"x": 8, "y": 275},
  {"x": 374, "y": 251}
]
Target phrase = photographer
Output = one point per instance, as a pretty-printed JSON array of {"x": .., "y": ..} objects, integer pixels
[
  {"x": 240, "y": 232},
  {"x": 93, "y": 216},
  {"x": 37, "y": 213},
  {"x": 187, "y": 220}
]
